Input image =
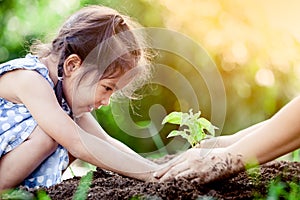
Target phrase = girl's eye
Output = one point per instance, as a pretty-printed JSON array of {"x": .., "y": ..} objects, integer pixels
[{"x": 108, "y": 88}]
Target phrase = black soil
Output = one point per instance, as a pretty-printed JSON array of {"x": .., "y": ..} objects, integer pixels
[{"x": 245, "y": 185}]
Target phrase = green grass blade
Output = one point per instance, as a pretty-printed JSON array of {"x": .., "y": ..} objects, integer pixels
[
  {"x": 83, "y": 187},
  {"x": 42, "y": 195}
]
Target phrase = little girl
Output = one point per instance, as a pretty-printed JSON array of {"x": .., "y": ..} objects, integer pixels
[{"x": 46, "y": 99}]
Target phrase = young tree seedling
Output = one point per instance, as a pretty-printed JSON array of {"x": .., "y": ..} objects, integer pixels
[{"x": 193, "y": 127}]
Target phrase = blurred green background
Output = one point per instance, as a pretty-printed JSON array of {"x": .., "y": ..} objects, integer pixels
[{"x": 255, "y": 45}]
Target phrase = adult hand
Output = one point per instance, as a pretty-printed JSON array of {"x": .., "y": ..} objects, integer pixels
[{"x": 201, "y": 166}]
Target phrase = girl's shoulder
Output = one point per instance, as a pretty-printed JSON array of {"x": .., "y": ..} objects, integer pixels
[{"x": 29, "y": 62}]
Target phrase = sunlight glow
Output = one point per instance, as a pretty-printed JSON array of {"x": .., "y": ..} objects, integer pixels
[
  {"x": 13, "y": 24},
  {"x": 265, "y": 77},
  {"x": 241, "y": 32},
  {"x": 239, "y": 52}
]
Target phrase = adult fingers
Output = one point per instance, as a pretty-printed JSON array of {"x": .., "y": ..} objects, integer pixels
[
  {"x": 203, "y": 179},
  {"x": 174, "y": 171},
  {"x": 166, "y": 167},
  {"x": 187, "y": 174},
  {"x": 200, "y": 177},
  {"x": 159, "y": 173},
  {"x": 198, "y": 180}
]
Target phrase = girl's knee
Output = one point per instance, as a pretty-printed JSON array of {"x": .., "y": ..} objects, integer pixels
[{"x": 49, "y": 144}]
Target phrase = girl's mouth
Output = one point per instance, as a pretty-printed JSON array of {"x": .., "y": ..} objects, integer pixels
[{"x": 90, "y": 108}]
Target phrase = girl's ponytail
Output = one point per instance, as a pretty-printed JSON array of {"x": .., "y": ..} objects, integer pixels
[{"x": 65, "y": 52}]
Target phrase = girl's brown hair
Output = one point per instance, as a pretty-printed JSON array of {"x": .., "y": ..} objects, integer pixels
[{"x": 103, "y": 39}]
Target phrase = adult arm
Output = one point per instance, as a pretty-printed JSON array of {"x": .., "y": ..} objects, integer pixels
[
  {"x": 227, "y": 140},
  {"x": 276, "y": 137}
]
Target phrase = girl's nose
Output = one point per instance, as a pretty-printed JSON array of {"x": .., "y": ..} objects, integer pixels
[{"x": 105, "y": 101}]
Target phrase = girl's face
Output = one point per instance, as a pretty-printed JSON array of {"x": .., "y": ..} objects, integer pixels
[
  {"x": 85, "y": 97},
  {"x": 90, "y": 98}
]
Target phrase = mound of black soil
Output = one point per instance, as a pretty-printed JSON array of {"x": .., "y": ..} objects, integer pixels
[{"x": 245, "y": 185}]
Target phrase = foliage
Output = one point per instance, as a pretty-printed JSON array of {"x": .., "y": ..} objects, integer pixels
[
  {"x": 283, "y": 190},
  {"x": 254, "y": 48},
  {"x": 255, "y": 45},
  {"x": 296, "y": 155},
  {"x": 80, "y": 193},
  {"x": 277, "y": 187},
  {"x": 23, "y": 21},
  {"x": 16, "y": 194},
  {"x": 193, "y": 126},
  {"x": 42, "y": 195},
  {"x": 83, "y": 187},
  {"x": 24, "y": 195}
]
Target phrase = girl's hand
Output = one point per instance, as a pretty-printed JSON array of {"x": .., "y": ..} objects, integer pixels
[
  {"x": 151, "y": 178},
  {"x": 201, "y": 166}
]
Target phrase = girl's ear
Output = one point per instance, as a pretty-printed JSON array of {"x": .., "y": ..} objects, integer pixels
[{"x": 71, "y": 64}]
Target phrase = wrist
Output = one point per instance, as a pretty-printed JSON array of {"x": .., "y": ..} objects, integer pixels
[{"x": 216, "y": 142}]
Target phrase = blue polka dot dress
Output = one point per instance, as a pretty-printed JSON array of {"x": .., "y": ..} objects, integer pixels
[{"x": 16, "y": 124}]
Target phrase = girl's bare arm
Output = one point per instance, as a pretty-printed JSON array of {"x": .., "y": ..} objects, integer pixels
[
  {"x": 90, "y": 125},
  {"x": 35, "y": 92}
]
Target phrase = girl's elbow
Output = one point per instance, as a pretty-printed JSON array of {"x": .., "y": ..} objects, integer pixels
[{"x": 74, "y": 147}]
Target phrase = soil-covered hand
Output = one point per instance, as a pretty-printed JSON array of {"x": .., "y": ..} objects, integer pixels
[
  {"x": 201, "y": 166},
  {"x": 150, "y": 178}
]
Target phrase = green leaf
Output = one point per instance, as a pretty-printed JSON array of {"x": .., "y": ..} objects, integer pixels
[
  {"x": 196, "y": 115},
  {"x": 175, "y": 133},
  {"x": 204, "y": 122},
  {"x": 194, "y": 130},
  {"x": 184, "y": 134},
  {"x": 200, "y": 136},
  {"x": 173, "y": 118},
  {"x": 191, "y": 140},
  {"x": 185, "y": 119},
  {"x": 207, "y": 125}
]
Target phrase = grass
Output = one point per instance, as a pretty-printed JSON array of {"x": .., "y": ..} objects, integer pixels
[
  {"x": 283, "y": 190},
  {"x": 80, "y": 193},
  {"x": 84, "y": 186},
  {"x": 16, "y": 194},
  {"x": 277, "y": 189},
  {"x": 296, "y": 155}
]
